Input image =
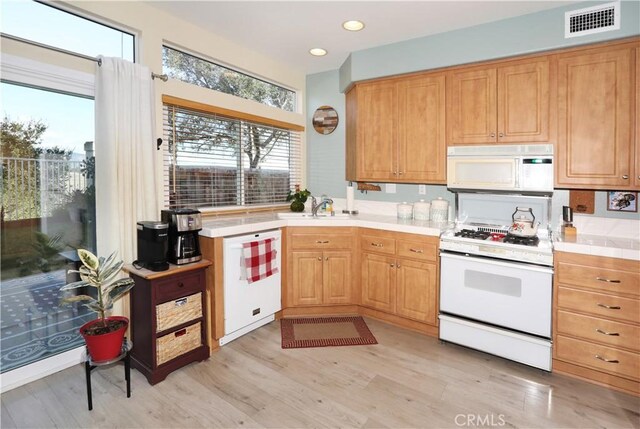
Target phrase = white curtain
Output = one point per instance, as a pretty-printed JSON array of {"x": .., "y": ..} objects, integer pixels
[{"x": 126, "y": 179}]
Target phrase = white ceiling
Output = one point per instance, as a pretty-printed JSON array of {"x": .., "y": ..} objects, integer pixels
[{"x": 286, "y": 30}]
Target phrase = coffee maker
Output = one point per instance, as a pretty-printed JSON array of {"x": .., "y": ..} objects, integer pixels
[
  {"x": 184, "y": 225},
  {"x": 152, "y": 245}
]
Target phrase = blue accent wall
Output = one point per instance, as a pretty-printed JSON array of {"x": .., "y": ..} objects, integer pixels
[
  {"x": 536, "y": 32},
  {"x": 520, "y": 35}
]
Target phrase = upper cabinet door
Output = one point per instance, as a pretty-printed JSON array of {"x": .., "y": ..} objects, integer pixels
[
  {"x": 377, "y": 125},
  {"x": 471, "y": 111},
  {"x": 594, "y": 119},
  {"x": 524, "y": 102},
  {"x": 421, "y": 130}
]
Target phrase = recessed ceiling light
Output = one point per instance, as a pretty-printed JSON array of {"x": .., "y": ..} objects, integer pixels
[
  {"x": 318, "y": 52},
  {"x": 353, "y": 25}
]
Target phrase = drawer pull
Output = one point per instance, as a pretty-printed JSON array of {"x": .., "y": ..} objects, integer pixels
[
  {"x": 416, "y": 250},
  {"x": 180, "y": 302},
  {"x": 613, "y": 334},
  {"x": 180, "y": 284},
  {"x": 602, "y": 279},
  {"x": 181, "y": 332},
  {"x": 377, "y": 244},
  {"x": 322, "y": 241},
  {"x": 610, "y": 307},
  {"x": 607, "y": 360}
]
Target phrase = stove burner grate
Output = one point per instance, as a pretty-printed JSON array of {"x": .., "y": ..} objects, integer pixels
[{"x": 525, "y": 241}]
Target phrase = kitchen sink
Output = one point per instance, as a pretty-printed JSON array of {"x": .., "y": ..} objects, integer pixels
[{"x": 322, "y": 216}]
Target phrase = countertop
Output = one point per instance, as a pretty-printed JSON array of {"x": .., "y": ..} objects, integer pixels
[
  {"x": 599, "y": 245},
  {"x": 246, "y": 224},
  {"x": 173, "y": 269}
]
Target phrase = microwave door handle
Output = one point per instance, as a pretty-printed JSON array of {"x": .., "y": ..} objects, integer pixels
[{"x": 518, "y": 166}]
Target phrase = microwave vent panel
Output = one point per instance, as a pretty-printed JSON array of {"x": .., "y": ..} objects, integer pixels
[{"x": 591, "y": 20}]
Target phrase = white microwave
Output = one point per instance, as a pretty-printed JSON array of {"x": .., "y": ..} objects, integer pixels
[{"x": 513, "y": 168}]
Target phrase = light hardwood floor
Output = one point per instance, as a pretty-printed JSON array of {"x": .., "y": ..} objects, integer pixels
[{"x": 407, "y": 380}]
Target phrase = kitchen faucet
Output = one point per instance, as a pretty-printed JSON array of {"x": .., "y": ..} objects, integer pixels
[{"x": 315, "y": 206}]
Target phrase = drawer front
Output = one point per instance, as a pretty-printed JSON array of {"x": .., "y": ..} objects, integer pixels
[
  {"x": 603, "y": 331},
  {"x": 320, "y": 241},
  {"x": 179, "y": 311},
  {"x": 598, "y": 304},
  {"x": 371, "y": 243},
  {"x": 600, "y": 357},
  {"x": 600, "y": 279},
  {"x": 417, "y": 250},
  {"x": 177, "y": 343},
  {"x": 178, "y": 286}
]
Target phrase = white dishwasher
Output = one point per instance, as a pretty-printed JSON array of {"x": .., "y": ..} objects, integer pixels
[{"x": 247, "y": 306}]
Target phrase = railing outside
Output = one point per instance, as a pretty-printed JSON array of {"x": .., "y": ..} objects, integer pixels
[{"x": 34, "y": 188}]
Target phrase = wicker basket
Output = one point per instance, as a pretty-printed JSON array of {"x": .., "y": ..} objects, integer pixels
[
  {"x": 178, "y": 343},
  {"x": 174, "y": 313}
]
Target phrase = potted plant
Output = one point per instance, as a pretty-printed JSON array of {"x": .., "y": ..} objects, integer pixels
[
  {"x": 299, "y": 198},
  {"x": 104, "y": 335}
]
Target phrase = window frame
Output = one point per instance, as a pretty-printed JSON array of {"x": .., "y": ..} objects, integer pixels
[
  {"x": 83, "y": 15},
  {"x": 198, "y": 107},
  {"x": 233, "y": 68}
]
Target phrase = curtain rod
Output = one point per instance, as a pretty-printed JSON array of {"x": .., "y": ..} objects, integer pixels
[{"x": 162, "y": 77}]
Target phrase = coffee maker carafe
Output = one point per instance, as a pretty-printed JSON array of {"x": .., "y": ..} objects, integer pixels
[{"x": 184, "y": 225}]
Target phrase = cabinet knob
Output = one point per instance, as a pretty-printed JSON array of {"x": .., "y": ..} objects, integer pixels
[
  {"x": 395, "y": 173},
  {"x": 326, "y": 259},
  {"x": 392, "y": 265},
  {"x": 398, "y": 266},
  {"x": 400, "y": 173},
  {"x": 613, "y": 334},
  {"x": 606, "y": 360},
  {"x": 319, "y": 258},
  {"x": 493, "y": 135},
  {"x": 625, "y": 176},
  {"x": 501, "y": 135},
  {"x": 609, "y": 307},
  {"x": 180, "y": 284}
]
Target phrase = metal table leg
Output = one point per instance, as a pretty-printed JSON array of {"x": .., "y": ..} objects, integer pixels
[
  {"x": 87, "y": 370},
  {"x": 127, "y": 372}
]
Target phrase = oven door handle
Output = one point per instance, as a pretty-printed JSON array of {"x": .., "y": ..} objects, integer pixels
[{"x": 498, "y": 263}]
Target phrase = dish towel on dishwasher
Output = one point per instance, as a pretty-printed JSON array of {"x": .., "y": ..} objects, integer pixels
[{"x": 259, "y": 259}]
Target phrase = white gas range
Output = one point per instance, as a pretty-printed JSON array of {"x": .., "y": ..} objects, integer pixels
[{"x": 496, "y": 288}]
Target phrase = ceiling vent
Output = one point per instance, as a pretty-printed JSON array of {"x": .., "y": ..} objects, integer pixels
[{"x": 591, "y": 20}]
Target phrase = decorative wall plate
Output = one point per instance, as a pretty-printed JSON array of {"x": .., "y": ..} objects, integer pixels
[{"x": 325, "y": 119}]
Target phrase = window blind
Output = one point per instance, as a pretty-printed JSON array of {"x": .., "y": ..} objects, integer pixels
[{"x": 213, "y": 160}]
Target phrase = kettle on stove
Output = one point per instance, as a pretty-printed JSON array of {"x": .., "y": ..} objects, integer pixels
[{"x": 522, "y": 226}]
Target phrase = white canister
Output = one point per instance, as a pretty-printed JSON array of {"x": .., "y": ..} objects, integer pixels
[
  {"x": 405, "y": 211},
  {"x": 439, "y": 210},
  {"x": 421, "y": 210}
]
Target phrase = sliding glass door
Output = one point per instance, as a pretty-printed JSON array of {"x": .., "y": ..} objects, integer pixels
[{"x": 47, "y": 212}]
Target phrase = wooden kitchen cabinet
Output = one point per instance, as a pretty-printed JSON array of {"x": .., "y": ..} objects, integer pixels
[
  {"x": 319, "y": 266},
  {"x": 379, "y": 282},
  {"x": 637, "y": 119},
  {"x": 321, "y": 277},
  {"x": 508, "y": 103},
  {"x": 400, "y": 274},
  {"x": 396, "y": 130},
  {"x": 168, "y": 319},
  {"x": 595, "y": 118},
  {"x": 596, "y": 328},
  {"x": 416, "y": 290}
]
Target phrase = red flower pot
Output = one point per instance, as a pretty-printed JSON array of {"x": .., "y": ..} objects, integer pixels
[{"x": 104, "y": 346}]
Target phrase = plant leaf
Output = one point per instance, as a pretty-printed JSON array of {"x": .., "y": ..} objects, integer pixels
[
  {"x": 88, "y": 259},
  {"x": 75, "y": 285},
  {"x": 119, "y": 288},
  {"x": 77, "y": 298}
]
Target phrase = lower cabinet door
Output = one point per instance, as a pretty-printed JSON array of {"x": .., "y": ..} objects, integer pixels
[
  {"x": 417, "y": 291},
  {"x": 307, "y": 270},
  {"x": 337, "y": 278},
  {"x": 379, "y": 282}
]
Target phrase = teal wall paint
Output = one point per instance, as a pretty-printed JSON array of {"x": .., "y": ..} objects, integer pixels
[
  {"x": 525, "y": 34},
  {"x": 515, "y": 36}
]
